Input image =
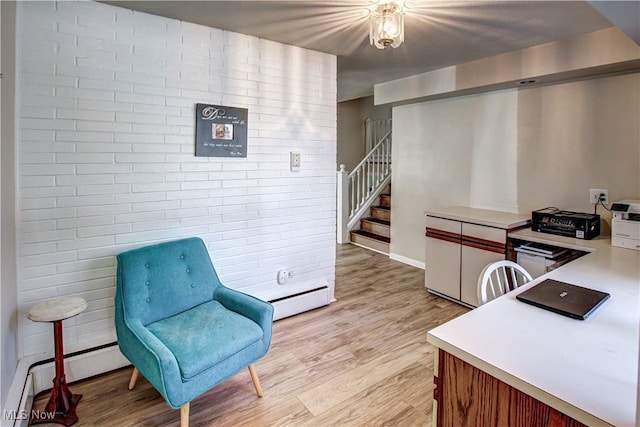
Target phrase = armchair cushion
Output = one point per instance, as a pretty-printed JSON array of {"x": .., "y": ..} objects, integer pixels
[{"x": 204, "y": 336}]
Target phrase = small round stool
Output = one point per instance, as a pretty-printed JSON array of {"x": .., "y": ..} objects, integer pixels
[{"x": 62, "y": 402}]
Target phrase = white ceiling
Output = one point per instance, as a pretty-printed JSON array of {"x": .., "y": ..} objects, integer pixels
[{"x": 438, "y": 33}]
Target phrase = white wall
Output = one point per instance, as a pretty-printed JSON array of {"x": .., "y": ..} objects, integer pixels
[
  {"x": 514, "y": 151},
  {"x": 372, "y": 111},
  {"x": 106, "y": 157},
  {"x": 351, "y": 144},
  {"x": 8, "y": 285},
  {"x": 448, "y": 153},
  {"x": 589, "y": 138},
  {"x": 351, "y": 134}
]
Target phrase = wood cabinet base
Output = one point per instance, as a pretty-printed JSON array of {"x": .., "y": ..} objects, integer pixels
[{"x": 467, "y": 396}]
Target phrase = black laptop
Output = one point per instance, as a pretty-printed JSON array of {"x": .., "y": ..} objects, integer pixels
[{"x": 563, "y": 298}]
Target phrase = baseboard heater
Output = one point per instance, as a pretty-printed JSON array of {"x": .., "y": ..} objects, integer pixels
[{"x": 300, "y": 302}]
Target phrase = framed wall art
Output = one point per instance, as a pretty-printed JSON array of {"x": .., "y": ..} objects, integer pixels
[{"x": 221, "y": 131}]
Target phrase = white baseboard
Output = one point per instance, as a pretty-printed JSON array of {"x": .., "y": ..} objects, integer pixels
[
  {"x": 20, "y": 391},
  {"x": 289, "y": 306},
  {"x": 409, "y": 261},
  {"x": 26, "y": 403}
]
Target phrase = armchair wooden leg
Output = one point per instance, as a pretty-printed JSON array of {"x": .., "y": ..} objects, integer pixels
[
  {"x": 256, "y": 381},
  {"x": 134, "y": 378},
  {"x": 184, "y": 415}
]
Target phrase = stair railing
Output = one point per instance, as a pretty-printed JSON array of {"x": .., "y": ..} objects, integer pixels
[
  {"x": 359, "y": 189},
  {"x": 374, "y": 132}
]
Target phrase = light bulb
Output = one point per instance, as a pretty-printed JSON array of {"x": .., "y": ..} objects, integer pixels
[{"x": 390, "y": 28}]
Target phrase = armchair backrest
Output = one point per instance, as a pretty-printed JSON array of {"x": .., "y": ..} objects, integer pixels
[{"x": 161, "y": 280}]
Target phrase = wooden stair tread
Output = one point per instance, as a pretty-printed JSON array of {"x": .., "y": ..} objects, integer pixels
[
  {"x": 377, "y": 221},
  {"x": 372, "y": 236},
  {"x": 386, "y": 208}
]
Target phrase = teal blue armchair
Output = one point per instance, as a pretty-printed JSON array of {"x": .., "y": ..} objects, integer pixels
[{"x": 180, "y": 327}]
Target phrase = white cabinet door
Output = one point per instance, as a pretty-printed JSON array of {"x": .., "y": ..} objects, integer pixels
[
  {"x": 442, "y": 257},
  {"x": 442, "y": 269},
  {"x": 473, "y": 261}
]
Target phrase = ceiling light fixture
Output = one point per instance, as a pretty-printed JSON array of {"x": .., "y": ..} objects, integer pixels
[{"x": 386, "y": 23}]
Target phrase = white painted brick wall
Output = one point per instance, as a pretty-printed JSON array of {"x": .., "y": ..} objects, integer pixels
[{"x": 106, "y": 157}]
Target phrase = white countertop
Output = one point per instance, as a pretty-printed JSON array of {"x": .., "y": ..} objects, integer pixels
[
  {"x": 585, "y": 369},
  {"x": 504, "y": 220}
]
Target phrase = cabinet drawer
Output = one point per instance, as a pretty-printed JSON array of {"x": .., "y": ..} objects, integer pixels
[
  {"x": 482, "y": 232},
  {"x": 448, "y": 225}
]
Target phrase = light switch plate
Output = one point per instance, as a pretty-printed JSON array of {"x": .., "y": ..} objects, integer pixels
[{"x": 295, "y": 161}]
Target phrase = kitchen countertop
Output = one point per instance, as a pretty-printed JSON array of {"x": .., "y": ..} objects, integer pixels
[
  {"x": 585, "y": 369},
  {"x": 504, "y": 220}
]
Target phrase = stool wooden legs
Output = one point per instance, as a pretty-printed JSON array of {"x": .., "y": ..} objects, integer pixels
[{"x": 61, "y": 407}]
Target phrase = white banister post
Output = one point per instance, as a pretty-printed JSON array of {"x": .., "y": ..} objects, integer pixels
[
  {"x": 368, "y": 140},
  {"x": 342, "y": 209}
]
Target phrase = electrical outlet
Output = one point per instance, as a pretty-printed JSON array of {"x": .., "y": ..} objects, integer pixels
[
  {"x": 283, "y": 277},
  {"x": 595, "y": 193}
]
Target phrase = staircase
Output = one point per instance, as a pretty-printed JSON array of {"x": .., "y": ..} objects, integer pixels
[
  {"x": 375, "y": 230},
  {"x": 364, "y": 195}
]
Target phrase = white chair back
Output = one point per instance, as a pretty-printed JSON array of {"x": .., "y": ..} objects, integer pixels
[{"x": 499, "y": 278}]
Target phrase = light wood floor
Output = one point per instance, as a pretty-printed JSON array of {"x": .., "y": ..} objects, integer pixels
[{"x": 363, "y": 360}]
